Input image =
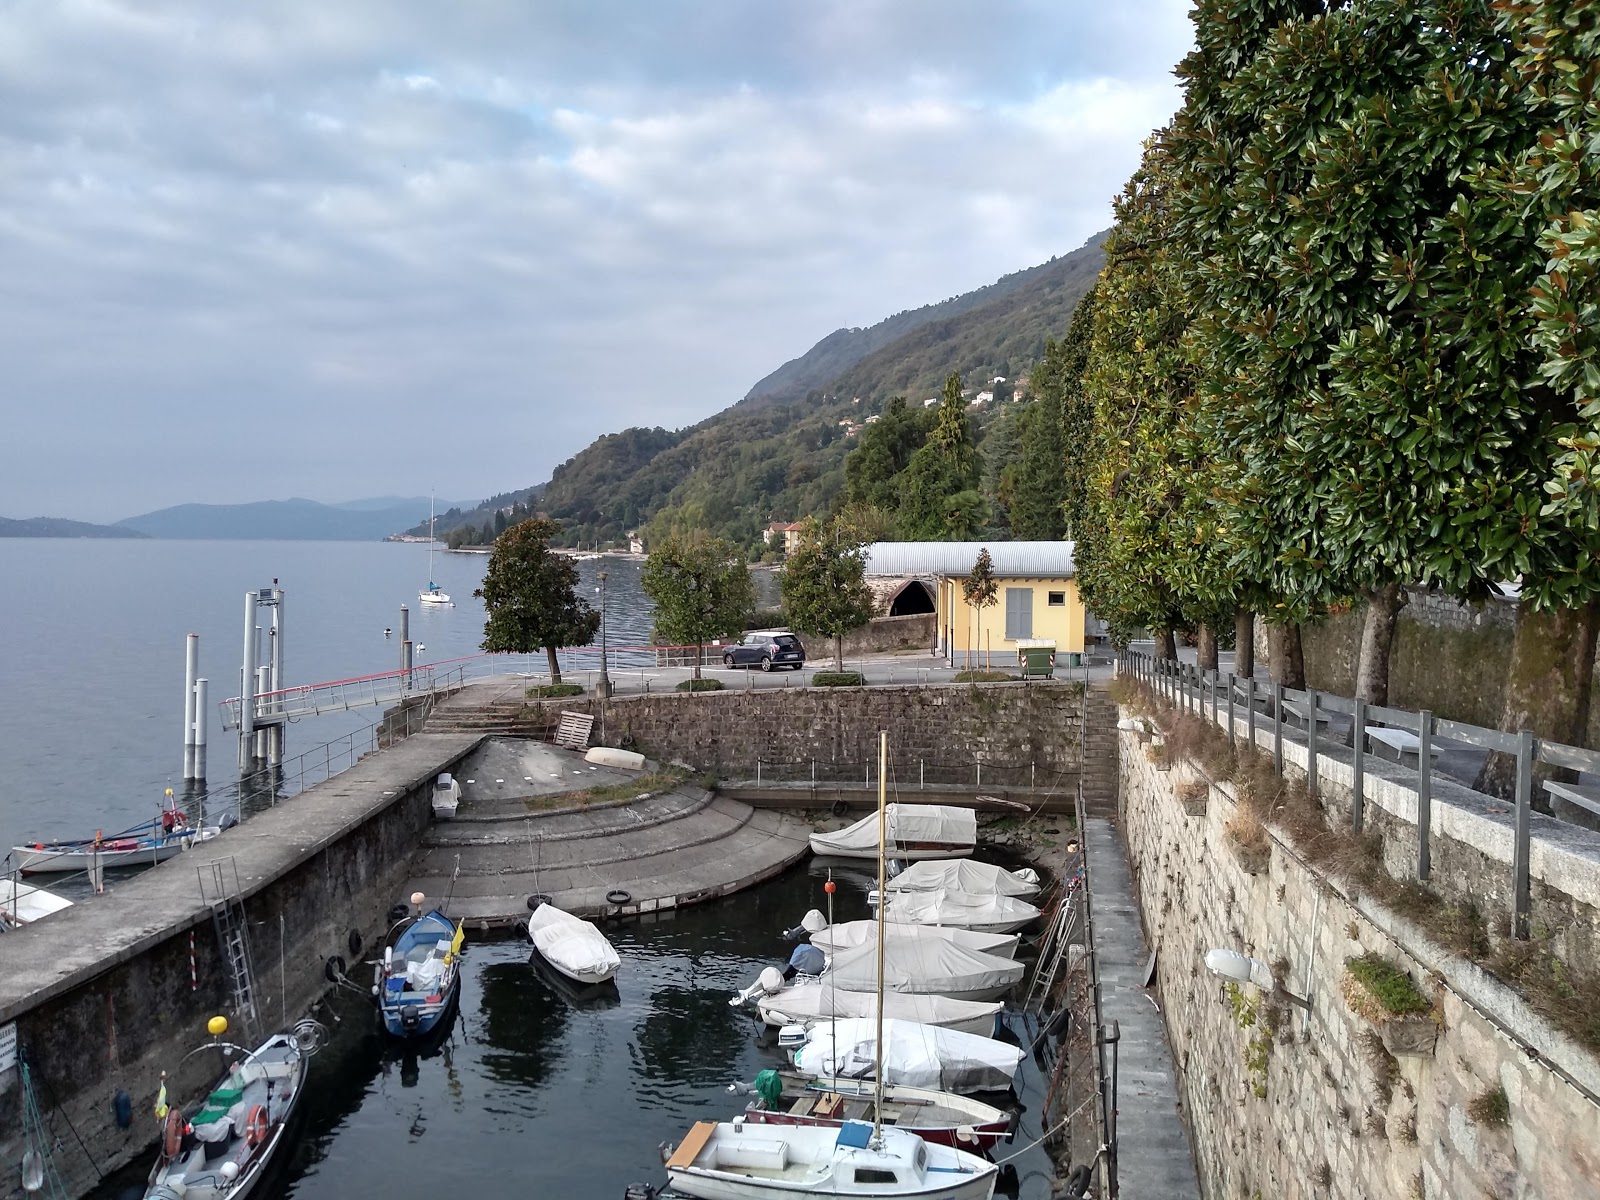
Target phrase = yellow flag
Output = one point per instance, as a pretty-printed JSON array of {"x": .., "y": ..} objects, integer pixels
[
  {"x": 455, "y": 942},
  {"x": 161, "y": 1102}
]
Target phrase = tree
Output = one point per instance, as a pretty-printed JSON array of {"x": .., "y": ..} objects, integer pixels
[
  {"x": 940, "y": 500},
  {"x": 701, "y": 588},
  {"x": 872, "y": 469},
  {"x": 499, "y": 521},
  {"x": 824, "y": 585},
  {"x": 980, "y": 591},
  {"x": 531, "y": 596}
]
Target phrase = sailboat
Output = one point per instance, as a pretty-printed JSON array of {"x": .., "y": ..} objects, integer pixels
[
  {"x": 433, "y": 594},
  {"x": 740, "y": 1160}
]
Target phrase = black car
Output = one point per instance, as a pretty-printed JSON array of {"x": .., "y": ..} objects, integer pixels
[{"x": 766, "y": 650}]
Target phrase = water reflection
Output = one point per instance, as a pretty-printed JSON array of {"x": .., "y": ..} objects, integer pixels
[
  {"x": 523, "y": 1024},
  {"x": 579, "y": 995}
]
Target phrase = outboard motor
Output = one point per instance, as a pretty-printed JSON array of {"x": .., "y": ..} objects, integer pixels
[
  {"x": 770, "y": 980},
  {"x": 410, "y": 1018},
  {"x": 639, "y": 1191},
  {"x": 812, "y": 922}
]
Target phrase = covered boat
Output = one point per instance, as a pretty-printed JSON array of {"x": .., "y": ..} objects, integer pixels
[
  {"x": 833, "y": 938},
  {"x": 572, "y": 945},
  {"x": 915, "y": 831},
  {"x": 924, "y": 966},
  {"x": 940, "y": 1117},
  {"x": 966, "y": 875},
  {"x": 418, "y": 979},
  {"x": 924, "y": 1056},
  {"x": 21, "y": 903},
  {"x": 446, "y": 797},
  {"x": 743, "y": 1160},
  {"x": 986, "y": 914},
  {"x": 805, "y": 1002}
]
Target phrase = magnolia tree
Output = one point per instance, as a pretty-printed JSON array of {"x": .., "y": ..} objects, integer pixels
[
  {"x": 530, "y": 594},
  {"x": 701, "y": 588},
  {"x": 824, "y": 585},
  {"x": 980, "y": 590}
]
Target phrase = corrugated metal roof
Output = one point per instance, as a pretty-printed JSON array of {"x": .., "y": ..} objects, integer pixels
[{"x": 1045, "y": 560}]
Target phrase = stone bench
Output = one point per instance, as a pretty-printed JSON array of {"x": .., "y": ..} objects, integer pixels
[
  {"x": 1574, "y": 802},
  {"x": 1302, "y": 713},
  {"x": 1402, "y": 742}
]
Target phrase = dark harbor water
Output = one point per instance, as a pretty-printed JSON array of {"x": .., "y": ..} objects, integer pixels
[{"x": 534, "y": 1095}]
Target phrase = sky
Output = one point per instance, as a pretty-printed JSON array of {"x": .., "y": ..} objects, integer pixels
[{"x": 353, "y": 249}]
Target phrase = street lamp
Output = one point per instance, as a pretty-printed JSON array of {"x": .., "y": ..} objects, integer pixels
[
  {"x": 1241, "y": 968},
  {"x": 605, "y": 679}
]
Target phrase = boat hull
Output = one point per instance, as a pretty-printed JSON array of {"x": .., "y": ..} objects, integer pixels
[
  {"x": 399, "y": 1023},
  {"x": 716, "y": 1185},
  {"x": 987, "y": 1125},
  {"x": 69, "y": 858},
  {"x": 906, "y": 851}
]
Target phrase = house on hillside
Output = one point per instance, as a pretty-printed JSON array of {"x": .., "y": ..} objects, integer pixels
[
  {"x": 635, "y": 543},
  {"x": 785, "y": 534},
  {"x": 1036, "y": 595},
  {"x": 930, "y": 402},
  {"x": 981, "y": 399}
]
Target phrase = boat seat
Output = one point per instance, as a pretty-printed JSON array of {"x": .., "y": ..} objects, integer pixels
[
  {"x": 761, "y": 1154},
  {"x": 693, "y": 1142}
]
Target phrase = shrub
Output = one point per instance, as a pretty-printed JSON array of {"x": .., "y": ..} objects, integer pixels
[
  {"x": 838, "y": 679},
  {"x": 1490, "y": 1108},
  {"x": 1387, "y": 985},
  {"x": 549, "y": 691},
  {"x": 766, "y": 618},
  {"x": 983, "y": 677},
  {"x": 700, "y": 685}
]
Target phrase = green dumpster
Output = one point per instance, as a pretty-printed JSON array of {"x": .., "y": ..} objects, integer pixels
[{"x": 1038, "y": 658}]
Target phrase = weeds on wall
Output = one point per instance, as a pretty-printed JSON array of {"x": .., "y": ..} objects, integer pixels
[
  {"x": 1258, "y": 1049},
  {"x": 1491, "y": 1108},
  {"x": 1377, "y": 988}
]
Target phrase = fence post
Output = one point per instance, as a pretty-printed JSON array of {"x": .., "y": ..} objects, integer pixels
[
  {"x": 1358, "y": 793},
  {"x": 1216, "y": 682},
  {"x": 1250, "y": 709},
  {"x": 758, "y": 770},
  {"x": 1521, "y": 901},
  {"x": 1233, "y": 738},
  {"x": 813, "y": 771},
  {"x": 1277, "y": 728},
  {"x": 1311, "y": 743},
  {"x": 922, "y": 770},
  {"x": 1424, "y": 795}
]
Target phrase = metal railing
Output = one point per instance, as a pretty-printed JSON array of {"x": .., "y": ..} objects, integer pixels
[
  {"x": 1218, "y": 696},
  {"x": 974, "y": 772}
]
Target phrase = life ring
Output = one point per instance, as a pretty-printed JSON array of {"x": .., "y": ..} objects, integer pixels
[
  {"x": 839, "y": 808},
  {"x": 618, "y": 896},
  {"x": 172, "y": 1139},
  {"x": 256, "y": 1125}
]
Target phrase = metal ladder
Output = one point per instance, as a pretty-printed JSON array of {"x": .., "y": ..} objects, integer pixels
[{"x": 226, "y": 901}]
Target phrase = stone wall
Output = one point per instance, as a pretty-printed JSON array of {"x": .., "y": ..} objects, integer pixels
[
  {"x": 882, "y": 635},
  {"x": 1319, "y": 1108}
]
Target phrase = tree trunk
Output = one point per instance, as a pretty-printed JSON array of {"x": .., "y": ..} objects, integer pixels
[
  {"x": 1285, "y": 656},
  {"x": 1547, "y": 687},
  {"x": 699, "y": 657},
  {"x": 1205, "y": 649},
  {"x": 1166, "y": 645},
  {"x": 1244, "y": 643},
  {"x": 1377, "y": 642},
  {"x": 838, "y": 653},
  {"x": 555, "y": 665}
]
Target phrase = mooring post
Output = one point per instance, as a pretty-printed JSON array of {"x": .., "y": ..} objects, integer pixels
[
  {"x": 247, "y": 690},
  {"x": 201, "y": 711},
  {"x": 277, "y": 732},
  {"x": 263, "y": 675},
  {"x": 191, "y": 671}
]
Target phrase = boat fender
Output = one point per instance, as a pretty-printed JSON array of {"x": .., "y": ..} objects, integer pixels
[
  {"x": 333, "y": 969},
  {"x": 122, "y": 1105},
  {"x": 227, "y": 821},
  {"x": 355, "y": 943},
  {"x": 398, "y": 913},
  {"x": 537, "y": 899},
  {"x": 255, "y": 1125},
  {"x": 839, "y": 807},
  {"x": 619, "y": 896}
]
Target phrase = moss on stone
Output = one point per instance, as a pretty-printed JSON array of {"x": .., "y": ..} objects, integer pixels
[{"x": 1388, "y": 985}]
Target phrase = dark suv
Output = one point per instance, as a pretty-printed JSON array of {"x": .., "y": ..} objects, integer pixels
[{"x": 766, "y": 649}]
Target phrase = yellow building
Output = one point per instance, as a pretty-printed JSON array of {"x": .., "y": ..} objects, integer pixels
[{"x": 1036, "y": 595}]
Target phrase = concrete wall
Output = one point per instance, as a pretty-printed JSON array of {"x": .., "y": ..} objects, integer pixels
[
  {"x": 1318, "y": 1117},
  {"x": 882, "y": 635}
]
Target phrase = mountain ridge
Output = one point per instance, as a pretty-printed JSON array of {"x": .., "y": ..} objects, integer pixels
[{"x": 61, "y": 527}]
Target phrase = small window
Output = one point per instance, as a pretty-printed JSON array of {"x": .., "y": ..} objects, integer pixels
[
  {"x": 875, "y": 1175},
  {"x": 1058, "y": 599}
]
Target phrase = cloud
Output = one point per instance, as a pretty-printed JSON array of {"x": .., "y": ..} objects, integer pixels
[{"x": 310, "y": 249}]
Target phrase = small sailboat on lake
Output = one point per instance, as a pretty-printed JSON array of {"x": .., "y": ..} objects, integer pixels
[{"x": 433, "y": 595}]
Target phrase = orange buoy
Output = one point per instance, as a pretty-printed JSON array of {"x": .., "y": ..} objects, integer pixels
[
  {"x": 255, "y": 1125},
  {"x": 829, "y": 887}
]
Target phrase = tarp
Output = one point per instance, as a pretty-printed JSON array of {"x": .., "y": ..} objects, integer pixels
[
  {"x": 923, "y": 1056},
  {"x": 965, "y": 875},
  {"x": 805, "y": 1002},
  {"x": 925, "y": 966},
  {"x": 572, "y": 945},
  {"x": 938, "y": 825},
  {"x": 995, "y": 914},
  {"x": 833, "y": 938}
]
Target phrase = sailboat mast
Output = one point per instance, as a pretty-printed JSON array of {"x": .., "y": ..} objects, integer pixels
[{"x": 883, "y": 905}]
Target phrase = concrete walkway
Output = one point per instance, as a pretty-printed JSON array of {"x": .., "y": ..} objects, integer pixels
[{"x": 1154, "y": 1155}]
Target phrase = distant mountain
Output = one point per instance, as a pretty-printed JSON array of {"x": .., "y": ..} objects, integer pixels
[
  {"x": 287, "y": 520},
  {"x": 377, "y": 503},
  {"x": 60, "y": 527}
]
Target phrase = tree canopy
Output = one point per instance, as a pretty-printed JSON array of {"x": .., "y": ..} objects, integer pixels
[
  {"x": 824, "y": 586},
  {"x": 530, "y": 594},
  {"x": 701, "y": 588}
]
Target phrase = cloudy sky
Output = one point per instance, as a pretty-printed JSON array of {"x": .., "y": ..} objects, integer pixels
[{"x": 344, "y": 249}]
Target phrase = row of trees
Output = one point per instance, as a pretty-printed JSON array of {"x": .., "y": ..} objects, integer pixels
[{"x": 1345, "y": 338}]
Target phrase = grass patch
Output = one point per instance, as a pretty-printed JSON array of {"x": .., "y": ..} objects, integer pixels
[
  {"x": 700, "y": 685},
  {"x": 657, "y": 781},
  {"x": 549, "y": 691},
  {"x": 1387, "y": 985},
  {"x": 838, "y": 679},
  {"x": 983, "y": 677},
  {"x": 1490, "y": 1108}
]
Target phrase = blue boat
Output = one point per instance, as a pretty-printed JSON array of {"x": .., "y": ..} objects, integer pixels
[{"x": 419, "y": 978}]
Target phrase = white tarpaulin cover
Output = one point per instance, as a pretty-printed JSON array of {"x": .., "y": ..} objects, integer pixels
[
  {"x": 572, "y": 945},
  {"x": 965, "y": 875},
  {"x": 805, "y": 1002},
  {"x": 941, "y": 830},
  {"x": 923, "y": 1056},
  {"x": 834, "y": 938},
  {"x": 993, "y": 914},
  {"x": 929, "y": 966}
]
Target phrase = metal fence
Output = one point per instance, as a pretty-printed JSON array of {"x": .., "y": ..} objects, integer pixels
[
  {"x": 966, "y": 772},
  {"x": 1220, "y": 696}
]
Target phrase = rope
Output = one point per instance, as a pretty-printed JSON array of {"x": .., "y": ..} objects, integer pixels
[
  {"x": 1056, "y": 1128},
  {"x": 55, "y": 1103}
]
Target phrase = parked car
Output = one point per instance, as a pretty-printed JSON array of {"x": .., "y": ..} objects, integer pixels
[{"x": 766, "y": 648}]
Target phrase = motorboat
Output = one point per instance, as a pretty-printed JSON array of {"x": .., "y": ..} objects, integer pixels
[
  {"x": 750, "y": 1160},
  {"x": 433, "y": 596},
  {"x": 418, "y": 978},
  {"x": 944, "y": 1118},
  {"x": 966, "y": 875},
  {"x": 143, "y": 846},
  {"x": 833, "y": 938},
  {"x": 592, "y": 996},
  {"x": 923, "y": 966},
  {"x": 914, "y": 831},
  {"x": 807, "y": 1002},
  {"x": 220, "y": 1149},
  {"x": 913, "y": 1055},
  {"x": 982, "y": 914},
  {"x": 572, "y": 945},
  {"x": 446, "y": 797},
  {"x": 21, "y": 903}
]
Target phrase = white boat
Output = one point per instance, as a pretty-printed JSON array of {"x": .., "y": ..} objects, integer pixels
[
  {"x": 966, "y": 875},
  {"x": 830, "y": 939},
  {"x": 986, "y": 914},
  {"x": 138, "y": 850},
  {"x": 21, "y": 903},
  {"x": 915, "y": 831},
  {"x": 572, "y": 945},
  {"x": 805, "y": 1002},
  {"x": 923, "y": 966},
  {"x": 433, "y": 595},
  {"x": 740, "y": 1160},
  {"x": 923, "y": 1056},
  {"x": 446, "y": 797}
]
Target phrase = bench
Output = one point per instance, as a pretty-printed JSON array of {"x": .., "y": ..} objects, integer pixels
[
  {"x": 1402, "y": 742},
  {"x": 1302, "y": 713},
  {"x": 1575, "y": 793}
]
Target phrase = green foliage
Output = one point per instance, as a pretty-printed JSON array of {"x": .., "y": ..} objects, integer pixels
[
  {"x": 940, "y": 500},
  {"x": 698, "y": 684},
  {"x": 885, "y": 449},
  {"x": 1033, "y": 484},
  {"x": 701, "y": 588},
  {"x": 838, "y": 679},
  {"x": 1386, "y": 983},
  {"x": 550, "y": 691},
  {"x": 530, "y": 596},
  {"x": 824, "y": 588},
  {"x": 1491, "y": 1108},
  {"x": 1060, "y": 376},
  {"x": 766, "y": 618},
  {"x": 983, "y": 677},
  {"x": 979, "y": 587}
]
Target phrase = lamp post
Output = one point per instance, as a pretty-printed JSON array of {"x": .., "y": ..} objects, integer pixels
[{"x": 605, "y": 679}]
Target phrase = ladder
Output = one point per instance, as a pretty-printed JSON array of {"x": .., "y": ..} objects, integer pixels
[{"x": 226, "y": 901}]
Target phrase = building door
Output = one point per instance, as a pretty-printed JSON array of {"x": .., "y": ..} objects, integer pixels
[{"x": 1019, "y": 613}]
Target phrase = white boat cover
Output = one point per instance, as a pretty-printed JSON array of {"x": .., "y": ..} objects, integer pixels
[
  {"x": 21, "y": 903},
  {"x": 834, "y": 938},
  {"x": 951, "y": 830},
  {"x": 965, "y": 875},
  {"x": 923, "y": 1056},
  {"x": 925, "y": 966},
  {"x": 572, "y": 945},
  {"x": 999, "y": 914},
  {"x": 805, "y": 1002}
]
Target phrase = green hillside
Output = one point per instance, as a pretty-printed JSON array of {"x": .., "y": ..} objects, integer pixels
[{"x": 60, "y": 527}]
